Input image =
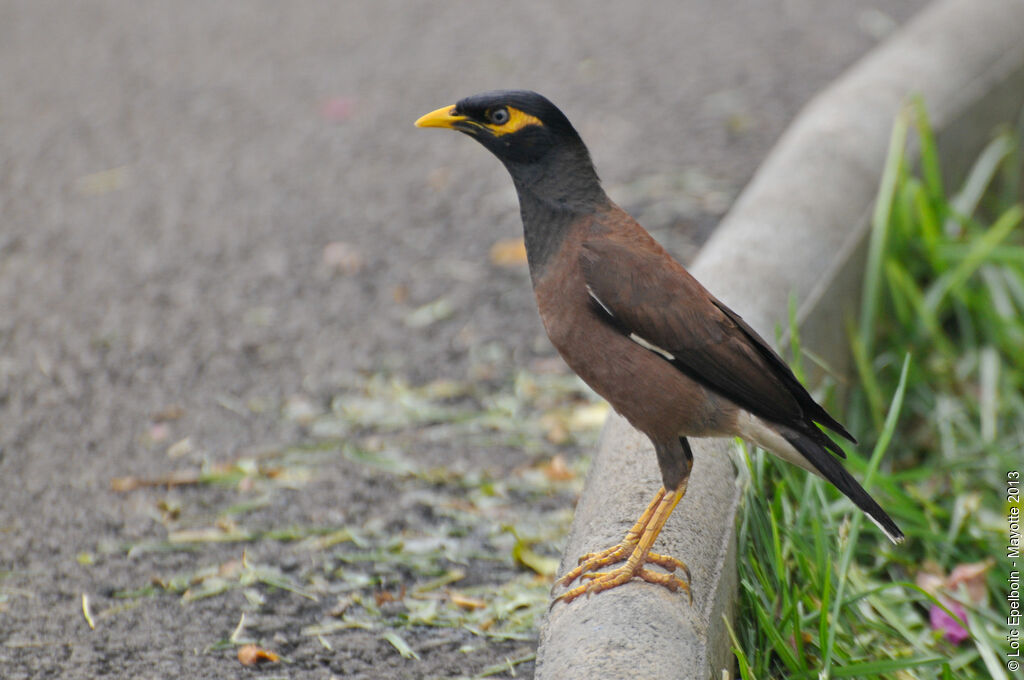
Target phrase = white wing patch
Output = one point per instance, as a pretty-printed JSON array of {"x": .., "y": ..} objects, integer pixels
[
  {"x": 651, "y": 346},
  {"x": 632, "y": 336},
  {"x": 593, "y": 295}
]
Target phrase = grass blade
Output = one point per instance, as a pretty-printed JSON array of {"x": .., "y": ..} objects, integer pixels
[
  {"x": 930, "y": 169},
  {"x": 879, "y": 231},
  {"x": 978, "y": 180},
  {"x": 977, "y": 254},
  {"x": 844, "y": 561}
]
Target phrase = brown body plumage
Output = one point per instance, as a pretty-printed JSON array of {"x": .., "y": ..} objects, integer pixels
[{"x": 672, "y": 404}]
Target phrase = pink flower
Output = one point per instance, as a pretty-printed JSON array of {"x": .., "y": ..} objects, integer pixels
[
  {"x": 337, "y": 109},
  {"x": 950, "y": 627},
  {"x": 965, "y": 580}
]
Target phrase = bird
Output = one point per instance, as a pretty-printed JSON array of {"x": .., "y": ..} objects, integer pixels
[{"x": 642, "y": 332}]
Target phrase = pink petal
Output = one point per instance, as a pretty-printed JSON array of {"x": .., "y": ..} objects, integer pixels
[
  {"x": 337, "y": 109},
  {"x": 972, "y": 576},
  {"x": 951, "y": 629}
]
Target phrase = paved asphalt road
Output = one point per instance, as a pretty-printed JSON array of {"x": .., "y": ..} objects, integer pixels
[{"x": 171, "y": 173}]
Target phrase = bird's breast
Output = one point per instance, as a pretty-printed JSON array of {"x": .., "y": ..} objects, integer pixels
[{"x": 641, "y": 385}]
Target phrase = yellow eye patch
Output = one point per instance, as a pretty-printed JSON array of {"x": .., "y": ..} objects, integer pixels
[{"x": 517, "y": 120}]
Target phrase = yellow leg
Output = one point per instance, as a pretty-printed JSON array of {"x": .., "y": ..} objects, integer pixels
[{"x": 635, "y": 549}]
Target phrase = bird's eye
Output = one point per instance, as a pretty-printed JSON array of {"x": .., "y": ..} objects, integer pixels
[{"x": 499, "y": 116}]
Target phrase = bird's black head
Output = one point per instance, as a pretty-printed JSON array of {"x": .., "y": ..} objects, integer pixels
[
  {"x": 518, "y": 126},
  {"x": 528, "y": 133},
  {"x": 548, "y": 161}
]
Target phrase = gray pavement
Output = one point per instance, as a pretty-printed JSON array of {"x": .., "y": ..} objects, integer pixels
[{"x": 170, "y": 174}]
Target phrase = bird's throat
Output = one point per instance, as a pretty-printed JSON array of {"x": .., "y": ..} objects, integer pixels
[
  {"x": 545, "y": 227},
  {"x": 548, "y": 219},
  {"x": 556, "y": 194}
]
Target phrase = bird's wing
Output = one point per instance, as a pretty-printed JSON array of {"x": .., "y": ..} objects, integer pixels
[{"x": 661, "y": 307}]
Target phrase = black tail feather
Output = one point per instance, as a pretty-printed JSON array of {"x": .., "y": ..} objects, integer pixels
[
  {"x": 832, "y": 470},
  {"x": 830, "y": 444}
]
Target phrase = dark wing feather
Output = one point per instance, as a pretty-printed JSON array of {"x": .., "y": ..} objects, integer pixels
[
  {"x": 815, "y": 411},
  {"x": 650, "y": 295}
]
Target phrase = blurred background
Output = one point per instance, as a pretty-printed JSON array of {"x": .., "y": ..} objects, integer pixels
[{"x": 246, "y": 305}]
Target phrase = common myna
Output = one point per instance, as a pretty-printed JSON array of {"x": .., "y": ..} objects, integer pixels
[{"x": 642, "y": 332}]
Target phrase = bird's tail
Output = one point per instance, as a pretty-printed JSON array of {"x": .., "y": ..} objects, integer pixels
[{"x": 832, "y": 470}]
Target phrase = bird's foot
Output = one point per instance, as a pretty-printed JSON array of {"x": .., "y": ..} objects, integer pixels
[
  {"x": 635, "y": 550},
  {"x": 598, "y": 581}
]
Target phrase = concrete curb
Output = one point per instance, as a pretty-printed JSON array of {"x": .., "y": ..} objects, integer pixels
[{"x": 799, "y": 229}]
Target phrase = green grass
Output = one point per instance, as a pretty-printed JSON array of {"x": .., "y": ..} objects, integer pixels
[{"x": 939, "y": 412}]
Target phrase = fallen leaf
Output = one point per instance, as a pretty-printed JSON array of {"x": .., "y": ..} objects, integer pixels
[
  {"x": 178, "y": 478},
  {"x": 341, "y": 606},
  {"x": 555, "y": 429},
  {"x": 401, "y": 645},
  {"x": 343, "y": 258},
  {"x": 250, "y": 655},
  {"x": 557, "y": 470},
  {"x": 158, "y": 432},
  {"x": 172, "y": 412},
  {"x": 430, "y": 313},
  {"x": 588, "y": 416},
  {"x": 523, "y": 554},
  {"x": 509, "y": 253},
  {"x": 300, "y": 409},
  {"x": 208, "y": 535},
  {"x": 385, "y": 596},
  {"x": 102, "y": 182},
  {"x": 230, "y": 569},
  {"x": 180, "y": 448},
  {"x": 169, "y": 511},
  {"x": 87, "y": 612},
  {"x": 466, "y": 602}
]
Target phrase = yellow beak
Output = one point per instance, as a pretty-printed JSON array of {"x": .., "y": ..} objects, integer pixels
[{"x": 444, "y": 117}]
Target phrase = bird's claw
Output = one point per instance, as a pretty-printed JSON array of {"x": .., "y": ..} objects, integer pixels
[{"x": 597, "y": 581}]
